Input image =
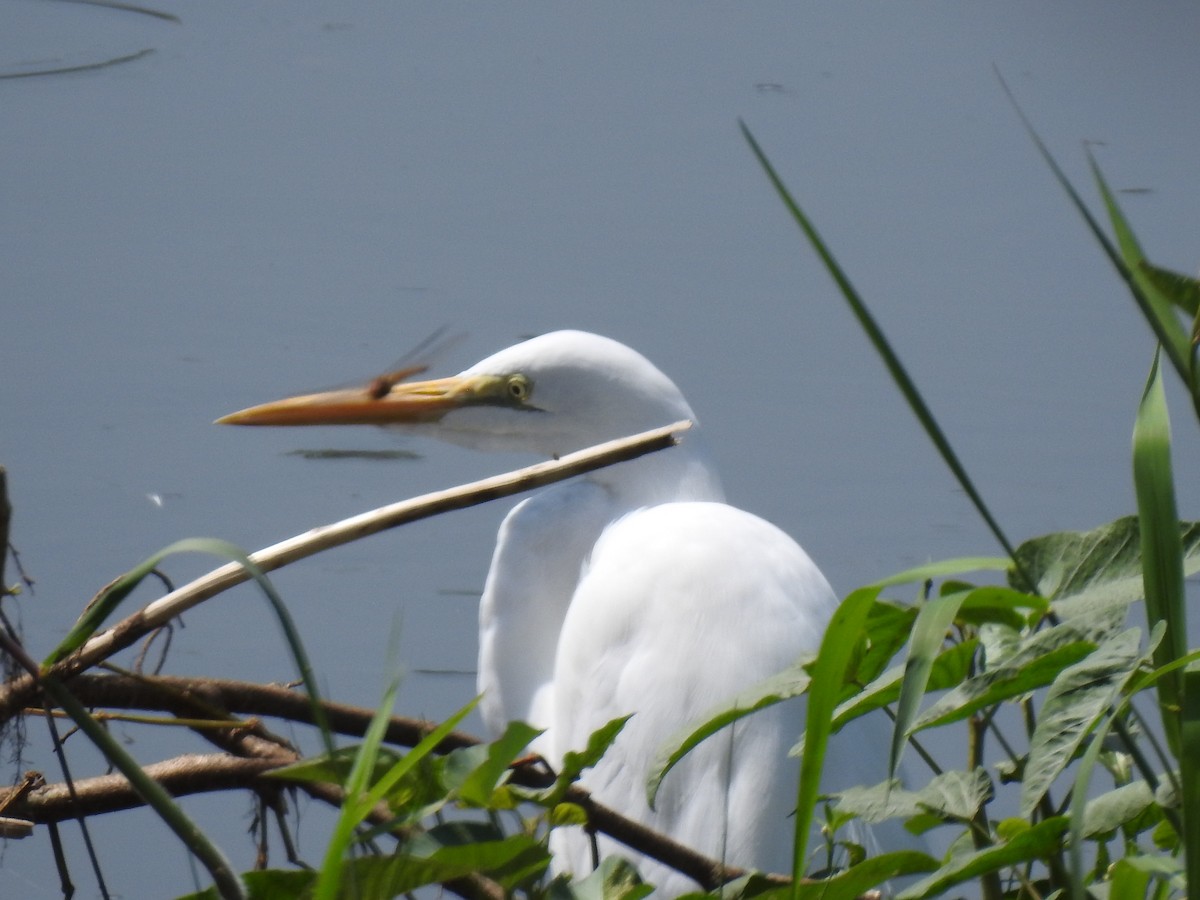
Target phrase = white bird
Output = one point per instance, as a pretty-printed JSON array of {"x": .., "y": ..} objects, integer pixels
[{"x": 635, "y": 589}]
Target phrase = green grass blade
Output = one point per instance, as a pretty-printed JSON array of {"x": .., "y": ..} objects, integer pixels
[
  {"x": 842, "y": 636},
  {"x": 1162, "y": 550},
  {"x": 1189, "y": 773},
  {"x": 227, "y": 882},
  {"x": 890, "y": 359},
  {"x": 1167, "y": 336},
  {"x": 928, "y": 636},
  {"x": 361, "y": 798},
  {"x": 1181, "y": 290},
  {"x": 1155, "y": 305},
  {"x": 352, "y": 812}
]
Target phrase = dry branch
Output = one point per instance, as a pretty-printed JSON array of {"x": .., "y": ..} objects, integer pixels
[
  {"x": 251, "y": 744},
  {"x": 20, "y": 691}
]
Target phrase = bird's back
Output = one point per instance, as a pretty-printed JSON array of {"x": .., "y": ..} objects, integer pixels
[{"x": 682, "y": 606}]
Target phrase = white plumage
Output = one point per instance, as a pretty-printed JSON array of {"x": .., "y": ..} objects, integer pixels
[{"x": 635, "y": 589}]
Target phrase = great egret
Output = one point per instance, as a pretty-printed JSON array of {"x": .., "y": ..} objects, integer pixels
[{"x": 635, "y": 589}]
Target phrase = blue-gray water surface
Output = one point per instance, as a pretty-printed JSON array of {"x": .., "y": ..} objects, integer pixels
[{"x": 290, "y": 195}]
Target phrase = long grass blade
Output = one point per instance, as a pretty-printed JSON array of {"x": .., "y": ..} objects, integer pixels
[
  {"x": 890, "y": 359},
  {"x": 928, "y": 636},
  {"x": 1189, "y": 773},
  {"x": 842, "y": 636},
  {"x": 225, "y": 879},
  {"x": 1167, "y": 336},
  {"x": 1162, "y": 550}
]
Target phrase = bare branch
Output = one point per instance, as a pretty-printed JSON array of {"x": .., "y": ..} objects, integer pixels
[
  {"x": 19, "y": 692},
  {"x": 185, "y": 696}
]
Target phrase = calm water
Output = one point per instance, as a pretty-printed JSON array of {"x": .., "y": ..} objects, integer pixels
[{"x": 290, "y": 195}]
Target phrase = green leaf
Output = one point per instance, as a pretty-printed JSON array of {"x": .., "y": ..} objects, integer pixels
[
  {"x": 614, "y": 879},
  {"x": 870, "y": 873},
  {"x": 1102, "y": 566},
  {"x": 466, "y": 847},
  {"x": 332, "y": 768},
  {"x": 1036, "y": 842},
  {"x": 576, "y": 761},
  {"x": 362, "y": 795},
  {"x": 928, "y": 636},
  {"x": 490, "y": 766},
  {"x": 1161, "y": 547},
  {"x": 944, "y": 568},
  {"x": 1074, "y": 704},
  {"x": 956, "y": 795},
  {"x": 786, "y": 684},
  {"x": 1114, "y": 808},
  {"x": 1189, "y": 772},
  {"x": 1183, "y": 291},
  {"x": 828, "y": 677},
  {"x": 994, "y": 604},
  {"x": 950, "y": 668},
  {"x": 948, "y": 796},
  {"x": 1036, "y": 663},
  {"x": 1155, "y": 306}
]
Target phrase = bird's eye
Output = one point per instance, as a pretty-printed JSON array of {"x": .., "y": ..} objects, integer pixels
[{"x": 519, "y": 388}]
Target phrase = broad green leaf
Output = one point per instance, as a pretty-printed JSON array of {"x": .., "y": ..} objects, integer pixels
[
  {"x": 1033, "y": 843},
  {"x": 950, "y": 795},
  {"x": 928, "y": 636},
  {"x": 994, "y": 604},
  {"x": 889, "y": 626},
  {"x": 614, "y": 879},
  {"x": 876, "y": 803},
  {"x": 468, "y": 847},
  {"x": 1035, "y": 664},
  {"x": 1115, "y": 808},
  {"x": 1103, "y": 565},
  {"x": 786, "y": 684},
  {"x": 956, "y": 795},
  {"x": 1127, "y": 882},
  {"x": 828, "y": 677},
  {"x": 1075, "y": 702}
]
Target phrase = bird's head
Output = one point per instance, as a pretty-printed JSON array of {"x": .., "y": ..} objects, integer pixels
[{"x": 550, "y": 395}]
